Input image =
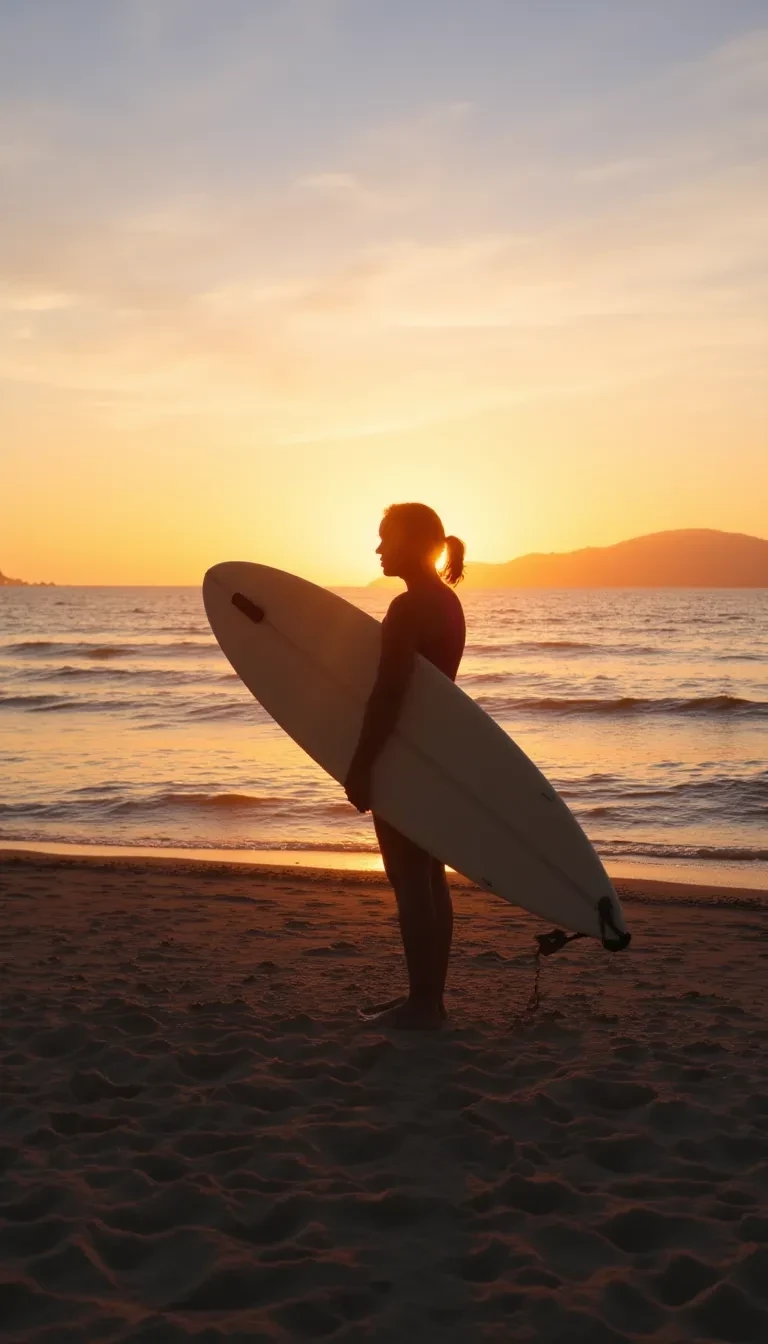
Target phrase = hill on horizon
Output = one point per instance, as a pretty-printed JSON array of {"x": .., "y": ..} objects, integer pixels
[
  {"x": 7, "y": 582},
  {"x": 685, "y": 558}
]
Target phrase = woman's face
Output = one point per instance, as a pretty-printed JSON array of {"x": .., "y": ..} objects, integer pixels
[
  {"x": 391, "y": 548},
  {"x": 399, "y": 554}
]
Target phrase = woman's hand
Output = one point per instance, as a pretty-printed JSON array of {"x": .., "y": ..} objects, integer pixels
[{"x": 357, "y": 786}]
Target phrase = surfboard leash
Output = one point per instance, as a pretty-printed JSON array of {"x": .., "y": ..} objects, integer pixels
[
  {"x": 547, "y": 943},
  {"x": 533, "y": 1002}
]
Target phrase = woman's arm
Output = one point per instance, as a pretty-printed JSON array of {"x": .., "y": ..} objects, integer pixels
[{"x": 398, "y": 655}]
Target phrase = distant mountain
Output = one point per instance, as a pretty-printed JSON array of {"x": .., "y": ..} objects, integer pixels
[
  {"x": 5, "y": 582},
  {"x": 688, "y": 558}
]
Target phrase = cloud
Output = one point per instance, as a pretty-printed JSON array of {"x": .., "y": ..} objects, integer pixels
[
  {"x": 616, "y": 170},
  {"x": 394, "y": 277},
  {"x": 742, "y": 63},
  {"x": 350, "y": 192},
  {"x": 28, "y": 300},
  {"x": 406, "y": 327}
]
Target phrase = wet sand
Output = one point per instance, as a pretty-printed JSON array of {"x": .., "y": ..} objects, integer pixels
[{"x": 200, "y": 1141}]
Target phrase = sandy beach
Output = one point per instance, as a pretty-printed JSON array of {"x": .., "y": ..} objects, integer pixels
[{"x": 201, "y": 1141}]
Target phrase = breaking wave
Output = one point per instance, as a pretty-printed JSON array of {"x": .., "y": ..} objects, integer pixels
[{"x": 626, "y": 704}]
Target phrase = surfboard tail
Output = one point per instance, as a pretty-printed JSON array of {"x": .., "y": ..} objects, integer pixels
[{"x": 613, "y": 938}]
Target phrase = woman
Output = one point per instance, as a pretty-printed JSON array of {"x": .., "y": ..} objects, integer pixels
[{"x": 428, "y": 619}]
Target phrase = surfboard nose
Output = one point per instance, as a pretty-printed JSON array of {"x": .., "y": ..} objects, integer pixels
[
  {"x": 216, "y": 573},
  {"x": 227, "y": 575}
]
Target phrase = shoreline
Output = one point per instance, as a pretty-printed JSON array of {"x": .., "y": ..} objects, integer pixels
[{"x": 627, "y": 885}]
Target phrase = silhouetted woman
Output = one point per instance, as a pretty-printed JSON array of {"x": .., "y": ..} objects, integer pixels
[{"x": 428, "y": 619}]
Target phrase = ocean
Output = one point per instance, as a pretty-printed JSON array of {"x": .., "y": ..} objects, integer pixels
[{"x": 122, "y": 724}]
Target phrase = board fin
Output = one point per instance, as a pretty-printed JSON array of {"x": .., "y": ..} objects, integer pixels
[
  {"x": 553, "y": 941},
  {"x": 620, "y": 939}
]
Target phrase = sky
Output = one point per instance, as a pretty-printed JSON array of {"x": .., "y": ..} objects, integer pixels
[{"x": 268, "y": 266}]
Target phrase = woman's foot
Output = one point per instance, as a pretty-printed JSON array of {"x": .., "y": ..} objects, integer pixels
[
  {"x": 373, "y": 1009},
  {"x": 409, "y": 1016}
]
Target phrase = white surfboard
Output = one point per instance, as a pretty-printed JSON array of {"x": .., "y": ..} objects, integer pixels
[{"x": 449, "y": 777}]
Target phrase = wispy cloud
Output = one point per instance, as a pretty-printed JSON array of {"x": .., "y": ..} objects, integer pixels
[
  {"x": 398, "y": 273},
  {"x": 616, "y": 170}
]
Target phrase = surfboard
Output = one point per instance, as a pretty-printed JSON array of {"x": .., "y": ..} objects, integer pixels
[{"x": 449, "y": 777}]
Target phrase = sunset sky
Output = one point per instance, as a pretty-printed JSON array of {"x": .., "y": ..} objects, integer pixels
[{"x": 267, "y": 266}]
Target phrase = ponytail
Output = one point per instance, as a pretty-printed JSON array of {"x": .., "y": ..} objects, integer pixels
[
  {"x": 423, "y": 526},
  {"x": 453, "y": 569}
]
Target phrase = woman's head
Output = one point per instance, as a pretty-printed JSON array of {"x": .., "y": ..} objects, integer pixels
[{"x": 412, "y": 537}]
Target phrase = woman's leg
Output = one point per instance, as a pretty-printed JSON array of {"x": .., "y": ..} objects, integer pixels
[
  {"x": 443, "y": 909},
  {"x": 410, "y": 871}
]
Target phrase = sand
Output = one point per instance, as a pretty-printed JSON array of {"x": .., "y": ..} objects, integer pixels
[{"x": 200, "y": 1140}]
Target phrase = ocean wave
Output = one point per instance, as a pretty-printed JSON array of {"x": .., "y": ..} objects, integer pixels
[
  {"x": 227, "y": 802},
  {"x": 484, "y": 678},
  {"x": 627, "y": 704},
  {"x": 182, "y": 630},
  {"x": 752, "y": 657},
  {"x": 513, "y": 647},
  {"x": 496, "y": 648},
  {"x": 738, "y": 796},
  {"x": 67, "y": 673},
  {"x": 744, "y": 788},
  {"x": 48, "y": 648},
  {"x": 49, "y": 704},
  {"x": 94, "y": 806},
  {"x": 553, "y": 644},
  {"x": 41, "y": 836},
  {"x": 100, "y": 676},
  {"x": 161, "y": 708},
  {"x": 31, "y": 701},
  {"x": 90, "y": 803},
  {"x": 627, "y": 849},
  {"x": 27, "y": 810},
  {"x": 66, "y": 705},
  {"x": 230, "y": 709}
]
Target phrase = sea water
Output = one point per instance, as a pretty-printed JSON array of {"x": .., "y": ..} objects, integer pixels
[{"x": 122, "y": 724}]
